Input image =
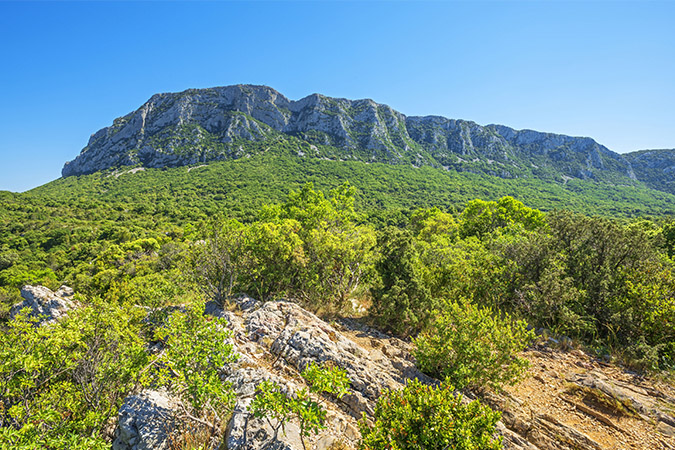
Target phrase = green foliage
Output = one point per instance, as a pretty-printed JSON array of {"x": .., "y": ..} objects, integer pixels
[
  {"x": 596, "y": 279},
  {"x": 401, "y": 301},
  {"x": 274, "y": 258},
  {"x": 420, "y": 417},
  {"x": 642, "y": 326},
  {"x": 584, "y": 277},
  {"x": 61, "y": 383},
  {"x": 8, "y": 297},
  {"x": 216, "y": 262},
  {"x": 278, "y": 407},
  {"x": 196, "y": 349},
  {"x": 324, "y": 378},
  {"x": 480, "y": 218},
  {"x": 470, "y": 346},
  {"x": 337, "y": 252},
  {"x": 273, "y": 405},
  {"x": 308, "y": 248}
]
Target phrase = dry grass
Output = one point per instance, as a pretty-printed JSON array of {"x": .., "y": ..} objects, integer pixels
[
  {"x": 340, "y": 445},
  {"x": 191, "y": 438},
  {"x": 596, "y": 397}
]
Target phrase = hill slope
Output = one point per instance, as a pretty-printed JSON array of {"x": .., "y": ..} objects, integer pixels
[
  {"x": 241, "y": 186},
  {"x": 200, "y": 125}
]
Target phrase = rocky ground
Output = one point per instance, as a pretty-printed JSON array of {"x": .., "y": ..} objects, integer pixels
[{"x": 568, "y": 400}]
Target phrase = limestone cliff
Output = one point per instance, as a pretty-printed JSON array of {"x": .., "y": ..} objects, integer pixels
[{"x": 200, "y": 125}]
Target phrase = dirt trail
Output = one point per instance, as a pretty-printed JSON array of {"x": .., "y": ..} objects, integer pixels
[{"x": 612, "y": 407}]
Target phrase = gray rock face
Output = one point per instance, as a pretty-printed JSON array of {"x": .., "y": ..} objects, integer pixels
[
  {"x": 652, "y": 405},
  {"x": 48, "y": 306},
  {"x": 245, "y": 432},
  {"x": 248, "y": 433},
  {"x": 299, "y": 337},
  {"x": 276, "y": 340},
  {"x": 145, "y": 422},
  {"x": 655, "y": 167},
  {"x": 201, "y": 125}
]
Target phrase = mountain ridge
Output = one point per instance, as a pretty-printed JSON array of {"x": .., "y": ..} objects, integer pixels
[
  {"x": 654, "y": 167},
  {"x": 201, "y": 125}
]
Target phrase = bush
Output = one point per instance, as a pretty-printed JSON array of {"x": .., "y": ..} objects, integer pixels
[
  {"x": 469, "y": 346},
  {"x": 272, "y": 403},
  {"x": 215, "y": 263},
  {"x": 420, "y": 417},
  {"x": 61, "y": 384},
  {"x": 196, "y": 351}
]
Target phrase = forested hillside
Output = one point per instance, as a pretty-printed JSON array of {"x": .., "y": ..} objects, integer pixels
[
  {"x": 241, "y": 186},
  {"x": 412, "y": 249}
]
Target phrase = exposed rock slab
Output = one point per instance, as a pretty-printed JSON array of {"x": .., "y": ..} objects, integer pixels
[
  {"x": 571, "y": 401},
  {"x": 44, "y": 304},
  {"x": 299, "y": 337},
  {"x": 145, "y": 422}
]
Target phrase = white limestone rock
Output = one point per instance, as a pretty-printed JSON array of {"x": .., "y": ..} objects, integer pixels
[
  {"x": 145, "y": 422},
  {"x": 44, "y": 304}
]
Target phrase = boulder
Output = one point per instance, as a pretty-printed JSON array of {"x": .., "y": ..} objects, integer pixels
[
  {"x": 145, "y": 422},
  {"x": 299, "y": 338},
  {"x": 46, "y": 305}
]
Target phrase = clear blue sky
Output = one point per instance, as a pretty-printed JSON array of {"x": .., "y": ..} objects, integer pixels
[{"x": 601, "y": 69}]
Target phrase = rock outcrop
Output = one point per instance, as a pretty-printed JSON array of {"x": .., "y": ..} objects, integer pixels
[
  {"x": 567, "y": 401},
  {"x": 44, "y": 304},
  {"x": 571, "y": 401},
  {"x": 145, "y": 422},
  {"x": 656, "y": 168},
  {"x": 201, "y": 125},
  {"x": 277, "y": 340}
]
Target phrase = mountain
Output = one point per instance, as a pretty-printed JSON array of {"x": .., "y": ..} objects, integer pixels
[
  {"x": 222, "y": 123},
  {"x": 656, "y": 168}
]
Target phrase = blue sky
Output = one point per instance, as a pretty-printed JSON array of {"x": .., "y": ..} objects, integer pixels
[{"x": 601, "y": 69}]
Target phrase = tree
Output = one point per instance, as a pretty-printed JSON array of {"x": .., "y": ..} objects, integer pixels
[
  {"x": 480, "y": 218},
  {"x": 216, "y": 262},
  {"x": 401, "y": 300}
]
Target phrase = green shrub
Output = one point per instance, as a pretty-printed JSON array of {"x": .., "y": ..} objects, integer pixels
[
  {"x": 420, "y": 417},
  {"x": 62, "y": 383},
  {"x": 8, "y": 298},
  {"x": 469, "y": 346},
  {"x": 278, "y": 408},
  {"x": 196, "y": 350},
  {"x": 215, "y": 263},
  {"x": 480, "y": 218},
  {"x": 401, "y": 302}
]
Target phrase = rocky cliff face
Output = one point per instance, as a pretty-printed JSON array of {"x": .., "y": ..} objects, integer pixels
[
  {"x": 200, "y": 125},
  {"x": 656, "y": 168}
]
